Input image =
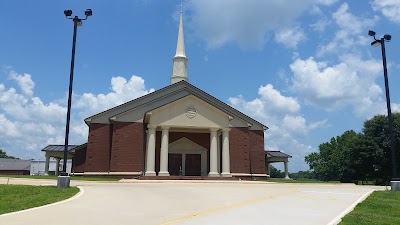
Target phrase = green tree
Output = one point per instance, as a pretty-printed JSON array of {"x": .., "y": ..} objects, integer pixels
[
  {"x": 376, "y": 131},
  {"x": 275, "y": 173},
  {"x": 3, "y": 154},
  {"x": 354, "y": 157},
  {"x": 334, "y": 157}
]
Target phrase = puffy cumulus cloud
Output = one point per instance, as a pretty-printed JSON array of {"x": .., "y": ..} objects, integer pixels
[
  {"x": 350, "y": 83},
  {"x": 122, "y": 91},
  {"x": 270, "y": 102},
  {"x": 244, "y": 23},
  {"x": 389, "y": 8},
  {"x": 290, "y": 37},
  {"x": 349, "y": 33},
  {"x": 281, "y": 114},
  {"x": 28, "y": 124},
  {"x": 298, "y": 126},
  {"x": 24, "y": 82},
  {"x": 327, "y": 2},
  {"x": 277, "y": 139}
]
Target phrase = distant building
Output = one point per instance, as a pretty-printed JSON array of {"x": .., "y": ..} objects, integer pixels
[
  {"x": 38, "y": 167},
  {"x": 51, "y": 167},
  {"x": 14, "y": 166}
]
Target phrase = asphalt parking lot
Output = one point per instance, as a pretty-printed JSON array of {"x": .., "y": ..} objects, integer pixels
[{"x": 186, "y": 202}]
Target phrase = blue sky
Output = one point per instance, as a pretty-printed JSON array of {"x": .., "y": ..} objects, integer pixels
[{"x": 303, "y": 68}]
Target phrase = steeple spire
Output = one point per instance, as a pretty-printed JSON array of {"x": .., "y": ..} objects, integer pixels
[{"x": 179, "y": 70}]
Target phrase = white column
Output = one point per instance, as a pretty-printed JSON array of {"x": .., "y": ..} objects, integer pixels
[
  {"x": 218, "y": 154},
  {"x": 164, "y": 152},
  {"x": 46, "y": 165},
  {"x": 151, "y": 150},
  {"x": 213, "y": 153},
  {"x": 286, "y": 170},
  {"x": 226, "y": 167},
  {"x": 57, "y": 167}
]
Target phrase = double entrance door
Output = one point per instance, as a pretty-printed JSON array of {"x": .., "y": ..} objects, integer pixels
[{"x": 184, "y": 164}]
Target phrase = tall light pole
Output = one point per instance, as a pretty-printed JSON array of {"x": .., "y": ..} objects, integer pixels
[
  {"x": 395, "y": 182},
  {"x": 63, "y": 180}
]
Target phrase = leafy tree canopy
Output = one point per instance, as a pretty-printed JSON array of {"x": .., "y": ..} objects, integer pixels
[
  {"x": 353, "y": 157},
  {"x": 3, "y": 154}
]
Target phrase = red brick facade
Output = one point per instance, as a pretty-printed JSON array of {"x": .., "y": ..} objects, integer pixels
[
  {"x": 79, "y": 161},
  {"x": 256, "y": 150},
  {"x": 127, "y": 147},
  {"x": 119, "y": 147},
  {"x": 98, "y": 148}
]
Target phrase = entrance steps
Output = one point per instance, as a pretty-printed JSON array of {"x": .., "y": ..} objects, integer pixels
[{"x": 185, "y": 178}]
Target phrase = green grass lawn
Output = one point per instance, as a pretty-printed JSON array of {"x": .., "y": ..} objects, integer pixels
[
  {"x": 281, "y": 180},
  {"x": 55, "y": 177},
  {"x": 18, "y": 197},
  {"x": 380, "y": 208}
]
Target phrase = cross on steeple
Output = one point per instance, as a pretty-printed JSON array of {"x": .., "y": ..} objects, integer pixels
[{"x": 181, "y": 5}]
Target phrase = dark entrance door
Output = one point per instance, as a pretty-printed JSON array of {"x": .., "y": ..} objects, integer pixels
[
  {"x": 174, "y": 164},
  {"x": 193, "y": 165}
]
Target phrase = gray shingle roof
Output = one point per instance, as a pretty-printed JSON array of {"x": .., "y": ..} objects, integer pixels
[
  {"x": 57, "y": 148},
  {"x": 14, "y": 164},
  {"x": 277, "y": 154}
]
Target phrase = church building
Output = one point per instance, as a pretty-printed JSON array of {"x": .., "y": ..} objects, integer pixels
[{"x": 178, "y": 130}]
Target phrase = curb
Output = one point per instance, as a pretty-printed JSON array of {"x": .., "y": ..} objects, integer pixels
[{"x": 338, "y": 219}]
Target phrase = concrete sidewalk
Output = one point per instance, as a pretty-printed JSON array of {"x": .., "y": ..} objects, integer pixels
[{"x": 186, "y": 202}]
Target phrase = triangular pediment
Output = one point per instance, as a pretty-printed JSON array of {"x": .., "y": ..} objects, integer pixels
[
  {"x": 136, "y": 110},
  {"x": 184, "y": 144},
  {"x": 189, "y": 112}
]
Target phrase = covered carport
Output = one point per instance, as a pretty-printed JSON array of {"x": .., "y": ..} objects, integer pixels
[
  {"x": 275, "y": 157},
  {"x": 56, "y": 152}
]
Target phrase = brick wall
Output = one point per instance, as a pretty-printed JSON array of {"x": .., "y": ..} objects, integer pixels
[
  {"x": 127, "y": 147},
  {"x": 239, "y": 150},
  {"x": 98, "y": 148},
  {"x": 257, "y": 154},
  {"x": 79, "y": 160}
]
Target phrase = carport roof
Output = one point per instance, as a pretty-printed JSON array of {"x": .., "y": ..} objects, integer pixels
[
  {"x": 277, "y": 154},
  {"x": 58, "y": 148}
]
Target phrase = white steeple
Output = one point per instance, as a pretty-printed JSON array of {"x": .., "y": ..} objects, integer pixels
[{"x": 179, "y": 69}]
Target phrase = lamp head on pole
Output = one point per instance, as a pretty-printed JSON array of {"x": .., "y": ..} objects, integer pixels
[
  {"x": 68, "y": 12},
  {"x": 88, "y": 12},
  {"x": 387, "y": 37},
  {"x": 371, "y": 33},
  {"x": 376, "y": 43}
]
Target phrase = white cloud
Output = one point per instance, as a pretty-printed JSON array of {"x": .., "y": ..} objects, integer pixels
[
  {"x": 24, "y": 82},
  {"x": 290, "y": 37},
  {"x": 28, "y": 124},
  {"x": 327, "y": 2},
  {"x": 320, "y": 25},
  {"x": 351, "y": 83},
  {"x": 270, "y": 102},
  {"x": 244, "y": 23},
  {"x": 122, "y": 91},
  {"x": 281, "y": 114},
  {"x": 389, "y": 8},
  {"x": 350, "y": 32}
]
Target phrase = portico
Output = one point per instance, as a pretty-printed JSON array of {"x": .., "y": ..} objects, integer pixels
[{"x": 184, "y": 147}]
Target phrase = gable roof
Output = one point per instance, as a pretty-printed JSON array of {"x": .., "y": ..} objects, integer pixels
[
  {"x": 14, "y": 164},
  {"x": 172, "y": 93}
]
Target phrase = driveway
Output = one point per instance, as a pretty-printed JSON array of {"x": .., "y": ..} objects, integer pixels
[{"x": 177, "y": 202}]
